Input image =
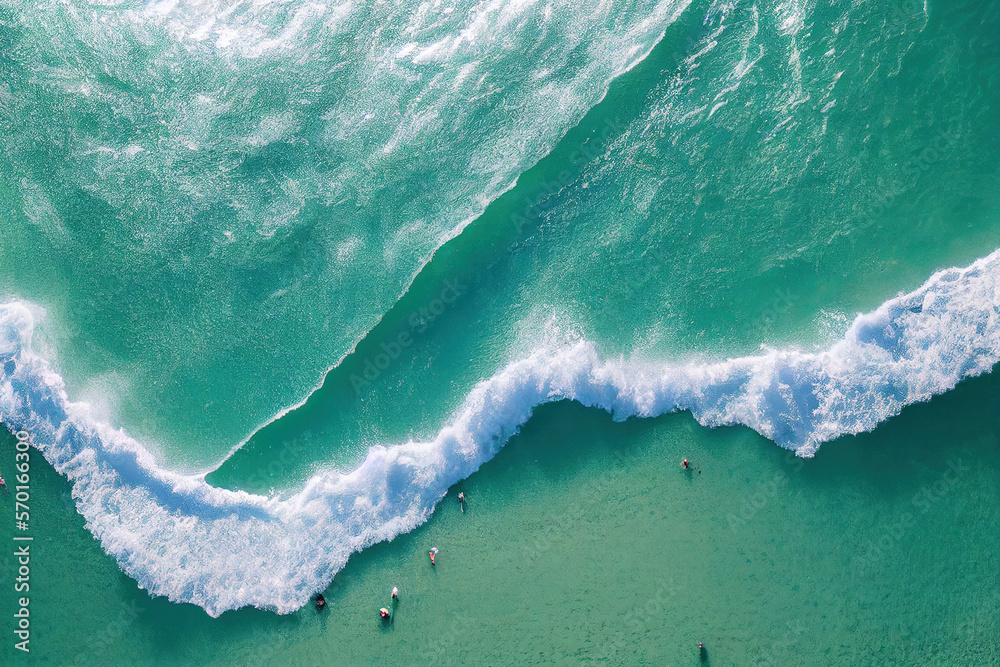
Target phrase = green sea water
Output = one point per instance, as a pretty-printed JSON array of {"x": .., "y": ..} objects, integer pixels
[
  {"x": 766, "y": 172},
  {"x": 585, "y": 541},
  {"x": 191, "y": 187},
  {"x": 565, "y": 254}
]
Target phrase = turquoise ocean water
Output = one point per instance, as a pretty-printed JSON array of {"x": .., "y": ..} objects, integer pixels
[{"x": 280, "y": 279}]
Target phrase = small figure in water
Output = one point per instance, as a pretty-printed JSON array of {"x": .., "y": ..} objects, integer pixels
[
  {"x": 461, "y": 500},
  {"x": 320, "y": 602},
  {"x": 395, "y": 593},
  {"x": 433, "y": 552},
  {"x": 684, "y": 464},
  {"x": 3, "y": 484},
  {"x": 384, "y": 613},
  {"x": 702, "y": 653}
]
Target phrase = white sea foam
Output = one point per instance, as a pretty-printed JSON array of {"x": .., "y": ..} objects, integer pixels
[
  {"x": 179, "y": 537},
  {"x": 368, "y": 103}
]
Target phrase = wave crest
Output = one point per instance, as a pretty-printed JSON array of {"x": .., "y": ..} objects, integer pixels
[{"x": 179, "y": 537}]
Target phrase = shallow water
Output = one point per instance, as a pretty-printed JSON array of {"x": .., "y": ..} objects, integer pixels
[
  {"x": 207, "y": 224},
  {"x": 584, "y": 540}
]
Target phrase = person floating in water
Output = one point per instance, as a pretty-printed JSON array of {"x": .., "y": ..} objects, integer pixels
[
  {"x": 395, "y": 593},
  {"x": 320, "y": 601},
  {"x": 384, "y": 613},
  {"x": 433, "y": 552},
  {"x": 461, "y": 500},
  {"x": 688, "y": 466},
  {"x": 702, "y": 653}
]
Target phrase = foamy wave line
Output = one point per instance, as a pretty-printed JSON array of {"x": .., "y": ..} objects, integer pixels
[{"x": 181, "y": 538}]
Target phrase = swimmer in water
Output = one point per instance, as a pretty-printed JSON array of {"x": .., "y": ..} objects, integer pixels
[
  {"x": 433, "y": 552},
  {"x": 384, "y": 613},
  {"x": 395, "y": 593},
  {"x": 320, "y": 601},
  {"x": 461, "y": 500},
  {"x": 685, "y": 464},
  {"x": 3, "y": 485}
]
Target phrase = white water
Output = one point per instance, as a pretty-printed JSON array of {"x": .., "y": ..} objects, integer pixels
[
  {"x": 179, "y": 537},
  {"x": 291, "y": 150}
]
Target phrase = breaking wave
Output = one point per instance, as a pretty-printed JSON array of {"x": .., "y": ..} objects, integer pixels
[{"x": 179, "y": 537}]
